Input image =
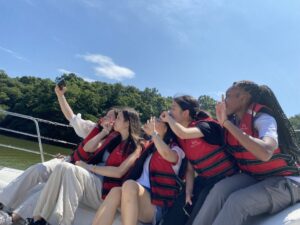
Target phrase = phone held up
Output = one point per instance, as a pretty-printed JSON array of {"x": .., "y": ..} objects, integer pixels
[{"x": 61, "y": 83}]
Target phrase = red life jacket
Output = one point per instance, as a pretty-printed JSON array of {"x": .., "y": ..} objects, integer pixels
[
  {"x": 208, "y": 160},
  {"x": 163, "y": 180},
  {"x": 109, "y": 144},
  {"x": 164, "y": 187},
  {"x": 280, "y": 164},
  {"x": 111, "y": 141},
  {"x": 115, "y": 158},
  {"x": 79, "y": 153}
]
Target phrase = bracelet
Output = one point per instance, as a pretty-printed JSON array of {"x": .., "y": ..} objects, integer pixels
[
  {"x": 224, "y": 122},
  {"x": 154, "y": 133},
  {"x": 90, "y": 167}
]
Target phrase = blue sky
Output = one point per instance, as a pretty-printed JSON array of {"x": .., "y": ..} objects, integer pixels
[{"x": 192, "y": 47}]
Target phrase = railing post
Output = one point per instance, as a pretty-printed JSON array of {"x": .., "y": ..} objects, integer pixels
[
  {"x": 36, "y": 125},
  {"x": 39, "y": 139}
]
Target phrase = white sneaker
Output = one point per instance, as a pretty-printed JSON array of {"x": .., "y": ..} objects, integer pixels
[{"x": 5, "y": 219}]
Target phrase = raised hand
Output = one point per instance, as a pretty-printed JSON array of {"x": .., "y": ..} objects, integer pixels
[
  {"x": 149, "y": 127},
  {"x": 165, "y": 116},
  {"x": 60, "y": 92},
  {"x": 221, "y": 111}
]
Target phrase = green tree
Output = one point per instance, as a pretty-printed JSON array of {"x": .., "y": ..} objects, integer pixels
[
  {"x": 208, "y": 104},
  {"x": 295, "y": 121}
]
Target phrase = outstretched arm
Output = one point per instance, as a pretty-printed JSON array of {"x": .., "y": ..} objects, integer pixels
[
  {"x": 64, "y": 105},
  {"x": 181, "y": 131}
]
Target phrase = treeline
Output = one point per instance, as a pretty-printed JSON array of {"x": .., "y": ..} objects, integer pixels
[{"x": 35, "y": 97}]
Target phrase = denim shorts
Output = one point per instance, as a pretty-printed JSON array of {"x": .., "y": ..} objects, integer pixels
[{"x": 158, "y": 213}]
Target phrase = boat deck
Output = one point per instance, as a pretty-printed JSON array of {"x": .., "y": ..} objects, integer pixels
[{"x": 84, "y": 215}]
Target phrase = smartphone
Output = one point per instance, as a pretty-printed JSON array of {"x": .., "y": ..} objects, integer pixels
[
  {"x": 187, "y": 209},
  {"x": 61, "y": 83}
]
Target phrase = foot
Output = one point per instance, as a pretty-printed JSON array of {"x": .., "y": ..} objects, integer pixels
[
  {"x": 5, "y": 218},
  {"x": 30, "y": 221}
]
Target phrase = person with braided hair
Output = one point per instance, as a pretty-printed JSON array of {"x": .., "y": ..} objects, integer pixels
[{"x": 263, "y": 142}]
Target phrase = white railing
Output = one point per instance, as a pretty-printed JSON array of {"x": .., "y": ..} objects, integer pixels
[{"x": 38, "y": 135}]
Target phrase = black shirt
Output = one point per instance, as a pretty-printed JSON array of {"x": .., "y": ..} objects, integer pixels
[{"x": 213, "y": 132}]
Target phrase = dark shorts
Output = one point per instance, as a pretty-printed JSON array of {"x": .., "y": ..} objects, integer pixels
[{"x": 159, "y": 211}]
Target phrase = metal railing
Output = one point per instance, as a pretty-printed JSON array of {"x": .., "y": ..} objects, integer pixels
[{"x": 38, "y": 134}]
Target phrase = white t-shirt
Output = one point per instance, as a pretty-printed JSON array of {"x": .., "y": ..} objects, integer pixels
[
  {"x": 82, "y": 127},
  {"x": 144, "y": 178},
  {"x": 266, "y": 126}
]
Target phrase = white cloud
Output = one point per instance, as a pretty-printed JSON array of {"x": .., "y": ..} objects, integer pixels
[
  {"x": 88, "y": 79},
  {"x": 13, "y": 53},
  {"x": 64, "y": 71},
  {"x": 106, "y": 67}
]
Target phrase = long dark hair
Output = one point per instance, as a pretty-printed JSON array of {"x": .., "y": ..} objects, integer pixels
[
  {"x": 187, "y": 102},
  {"x": 170, "y": 136},
  {"x": 263, "y": 95},
  {"x": 134, "y": 139}
]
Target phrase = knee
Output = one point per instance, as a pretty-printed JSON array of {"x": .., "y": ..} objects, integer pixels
[
  {"x": 114, "y": 196},
  {"x": 218, "y": 192},
  {"x": 38, "y": 170},
  {"x": 130, "y": 187},
  {"x": 63, "y": 167},
  {"x": 236, "y": 203}
]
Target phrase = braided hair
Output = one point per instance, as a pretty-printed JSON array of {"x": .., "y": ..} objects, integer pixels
[
  {"x": 187, "y": 102},
  {"x": 263, "y": 95}
]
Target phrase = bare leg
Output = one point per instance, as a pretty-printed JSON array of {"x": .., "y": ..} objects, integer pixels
[
  {"x": 107, "y": 211},
  {"x": 136, "y": 204}
]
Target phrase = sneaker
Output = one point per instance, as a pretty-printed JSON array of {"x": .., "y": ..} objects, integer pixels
[
  {"x": 5, "y": 218},
  {"x": 30, "y": 221}
]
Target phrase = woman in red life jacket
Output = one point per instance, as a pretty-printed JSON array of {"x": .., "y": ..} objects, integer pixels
[
  {"x": 89, "y": 184},
  {"x": 263, "y": 142},
  {"x": 21, "y": 194},
  {"x": 201, "y": 138},
  {"x": 152, "y": 187}
]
